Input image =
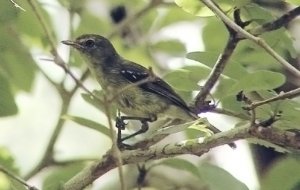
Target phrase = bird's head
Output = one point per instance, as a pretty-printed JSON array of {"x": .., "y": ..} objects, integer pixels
[{"x": 93, "y": 46}]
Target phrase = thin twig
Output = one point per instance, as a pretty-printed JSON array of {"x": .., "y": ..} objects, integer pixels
[
  {"x": 84, "y": 76},
  {"x": 42, "y": 21},
  {"x": 16, "y": 178},
  {"x": 78, "y": 82},
  {"x": 17, "y": 6},
  {"x": 276, "y": 24},
  {"x": 115, "y": 150},
  {"x": 244, "y": 34},
  {"x": 230, "y": 113},
  {"x": 216, "y": 72},
  {"x": 282, "y": 96}
]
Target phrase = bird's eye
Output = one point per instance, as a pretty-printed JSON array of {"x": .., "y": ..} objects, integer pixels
[{"x": 89, "y": 43}]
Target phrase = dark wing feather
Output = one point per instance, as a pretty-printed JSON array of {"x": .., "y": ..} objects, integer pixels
[{"x": 135, "y": 73}]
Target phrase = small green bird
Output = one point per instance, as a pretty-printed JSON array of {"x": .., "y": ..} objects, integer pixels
[{"x": 148, "y": 101}]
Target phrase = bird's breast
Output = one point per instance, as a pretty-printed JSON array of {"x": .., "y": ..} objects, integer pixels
[{"x": 135, "y": 102}]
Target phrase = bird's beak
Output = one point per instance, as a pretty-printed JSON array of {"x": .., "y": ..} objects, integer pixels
[{"x": 71, "y": 43}]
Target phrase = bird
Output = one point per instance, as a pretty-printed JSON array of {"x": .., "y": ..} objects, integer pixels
[{"x": 150, "y": 99}]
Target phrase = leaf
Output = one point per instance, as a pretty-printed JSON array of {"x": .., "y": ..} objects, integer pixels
[
  {"x": 73, "y": 5},
  {"x": 281, "y": 41},
  {"x": 91, "y": 24},
  {"x": 173, "y": 47},
  {"x": 16, "y": 60},
  {"x": 89, "y": 123},
  {"x": 4, "y": 182},
  {"x": 20, "y": 69},
  {"x": 7, "y": 160},
  {"x": 60, "y": 175},
  {"x": 7, "y": 103},
  {"x": 8, "y": 12},
  {"x": 213, "y": 39},
  {"x": 256, "y": 13},
  {"x": 233, "y": 69},
  {"x": 286, "y": 173},
  {"x": 294, "y": 2},
  {"x": 187, "y": 78},
  {"x": 289, "y": 118},
  {"x": 94, "y": 101},
  {"x": 182, "y": 165},
  {"x": 219, "y": 179},
  {"x": 27, "y": 20},
  {"x": 197, "y": 8},
  {"x": 174, "y": 15},
  {"x": 14, "y": 185},
  {"x": 193, "y": 7},
  {"x": 259, "y": 80}
]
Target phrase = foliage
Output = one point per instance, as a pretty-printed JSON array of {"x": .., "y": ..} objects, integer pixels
[{"x": 250, "y": 69}]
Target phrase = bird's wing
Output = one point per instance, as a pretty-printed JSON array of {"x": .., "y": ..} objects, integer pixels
[{"x": 135, "y": 73}]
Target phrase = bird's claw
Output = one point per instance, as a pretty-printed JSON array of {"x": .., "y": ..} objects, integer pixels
[
  {"x": 120, "y": 124},
  {"x": 123, "y": 146}
]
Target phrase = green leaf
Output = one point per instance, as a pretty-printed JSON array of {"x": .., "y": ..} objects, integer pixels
[
  {"x": 8, "y": 12},
  {"x": 281, "y": 41},
  {"x": 259, "y": 80},
  {"x": 60, "y": 175},
  {"x": 286, "y": 173},
  {"x": 182, "y": 165},
  {"x": 256, "y": 13},
  {"x": 194, "y": 133},
  {"x": 73, "y": 6},
  {"x": 197, "y": 8},
  {"x": 14, "y": 185},
  {"x": 4, "y": 182},
  {"x": 230, "y": 103},
  {"x": 89, "y": 123},
  {"x": 233, "y": 69},
  {"x": 254, "y": 58},
  {"x": 173, "y": 47},
  {"x": 91, "y": 24},
  {"x": 289, "y": 118},
  {"x": 193, "y": 7},
  {"x": 16, "y": 61},
  {"x": 173, "y": 15},
  {"x": 27, "y": 20},
  {"x": 214, "y": 35},
  {"x": 294, "y": 2},
  {"x": 219, "y": 179},
  {"x": 94, "y": 101},
  {"x": 7, "y": 103},
  {"x": 186, "y": 79},
  {"x": 20, "y": 70},
  {"x": 7, "y": 160},
  {"x": 138, "y": 53}
]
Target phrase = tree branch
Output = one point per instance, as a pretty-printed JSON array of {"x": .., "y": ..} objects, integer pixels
[
  {"x": 244, "y": 34},
  {"x": 17, "y": 6},
  {"x": 215, "y": 73},
  {"x": 282, "y": 96},
  {"x": 276, "y": 24},
  {"x": 286, "y": 139}
]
